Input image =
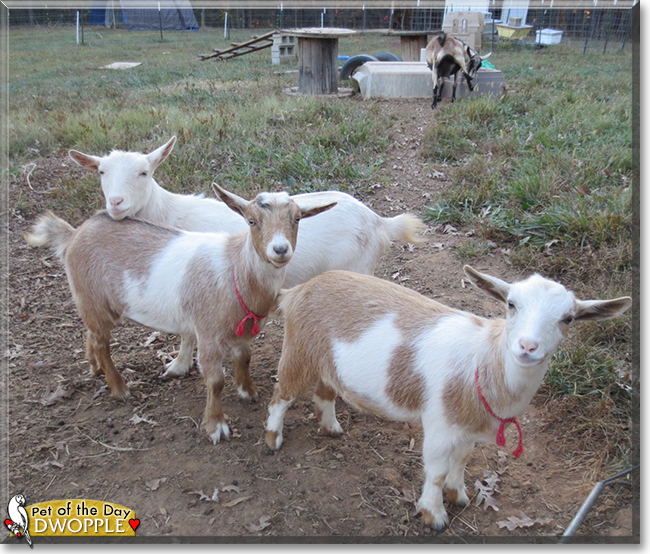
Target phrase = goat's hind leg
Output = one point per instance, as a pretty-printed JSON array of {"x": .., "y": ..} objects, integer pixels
[
  {"x": 92, "y": 354},
  {"x": 99, "y": 355},
  {"x": 183, "y": 362},
  {"x": 325, "y": 407},
  {"x": 245, "y": 387}
]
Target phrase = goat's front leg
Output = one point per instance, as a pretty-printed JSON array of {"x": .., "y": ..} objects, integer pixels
[
  {"x": 183, "y": 362},
  {"x": 437, "y": 88},
  {"x": 214, "y": 420},
  {"x": 453, "y": 92},
  {"x": 470, "y": 86},
  {"x": 245, "y": 387},
  {"x": 456, "y": 493},
  {"x": 436, "y": 453}
]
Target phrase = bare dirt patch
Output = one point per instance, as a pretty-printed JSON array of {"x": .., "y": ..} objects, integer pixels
[{"x": 69, "y": 439}]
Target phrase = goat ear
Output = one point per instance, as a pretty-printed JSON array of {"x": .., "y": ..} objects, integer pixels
[
  {"x": 160, "y": 154},
  {"x": 597, "y": 310},
  {"x": 85, "y": 160},
  {"x": 234, "y": 202},
  {"x": 491, "y": 285},
  {"x": 308, "y": 212}
]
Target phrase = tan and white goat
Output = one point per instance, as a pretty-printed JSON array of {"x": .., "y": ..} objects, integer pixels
[
  {"x": 388, "y": 350},
  {"x": 351, "y": 236},
  {"x": 446, "y": 56},
  {"x": 203, "y": 285}
]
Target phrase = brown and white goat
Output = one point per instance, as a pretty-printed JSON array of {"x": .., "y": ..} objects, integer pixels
[
  {"x": 388, "y": 350},
  {"x": 351, "y": 236},
  {"x": 206, "y": 285},
  {"x": 446, "y": 56}
]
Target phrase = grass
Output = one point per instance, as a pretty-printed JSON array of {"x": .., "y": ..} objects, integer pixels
[
  {"x": 544, "y": 171},
  {"x": 235, "y": 125},
  {"x": 550, "y": 160}
]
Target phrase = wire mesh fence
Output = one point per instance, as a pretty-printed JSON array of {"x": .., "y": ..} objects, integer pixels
[{"x": 598, "y": 28}]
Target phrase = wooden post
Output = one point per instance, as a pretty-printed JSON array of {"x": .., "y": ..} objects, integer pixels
[
  {"x": 411, "y": 46},
  {"x": 318, "y": 71}
]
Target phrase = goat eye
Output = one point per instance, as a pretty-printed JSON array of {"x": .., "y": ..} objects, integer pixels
[
  {"x": 102, "y": 172},
  {"x": 251, "y": 222},
  {"x": 143, "y": 174},
  {"x": 567, "y": 320},
  {"x": 511, "y": 306}
]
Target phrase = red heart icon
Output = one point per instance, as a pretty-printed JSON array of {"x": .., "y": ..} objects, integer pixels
[{"x": 134, "y": 523}]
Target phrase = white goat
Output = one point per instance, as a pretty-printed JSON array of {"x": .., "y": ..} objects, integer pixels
[
  {"x": 206, "y": 285},
  {"x": 390, "y": 351},
  {"x": 350, "y": 237}
]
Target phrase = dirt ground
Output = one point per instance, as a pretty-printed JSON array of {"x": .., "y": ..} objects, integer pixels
[{"x": 70, "y": 439}]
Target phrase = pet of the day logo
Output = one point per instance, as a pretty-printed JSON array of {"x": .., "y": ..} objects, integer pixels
[
  {"x": 73, "y": 518},
  {"x": 18, "y": 520}
]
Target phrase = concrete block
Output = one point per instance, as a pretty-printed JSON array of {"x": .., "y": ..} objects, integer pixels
[
  {"x": 414, "y": 80},
  {"x": 284, "y": 48}
]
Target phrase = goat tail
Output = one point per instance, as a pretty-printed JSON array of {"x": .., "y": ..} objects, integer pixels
[
  {"x": 405, "y": 227},
  {"x": 51, "y": 231},
  {"x": 286, "y": 298}
]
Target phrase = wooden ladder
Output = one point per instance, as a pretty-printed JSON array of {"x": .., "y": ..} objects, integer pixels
[{"x": 240, "y": 48}]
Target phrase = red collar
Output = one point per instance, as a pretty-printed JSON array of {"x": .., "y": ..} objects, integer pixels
[
  {"x": 241, "y": 331},
  {"x": 501, "y": 440}
]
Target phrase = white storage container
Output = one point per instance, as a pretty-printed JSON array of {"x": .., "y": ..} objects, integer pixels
[{"x": 548, "y": 36}]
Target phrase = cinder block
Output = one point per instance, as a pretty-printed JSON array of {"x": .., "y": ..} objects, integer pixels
[{"x": 284, "y": 48}]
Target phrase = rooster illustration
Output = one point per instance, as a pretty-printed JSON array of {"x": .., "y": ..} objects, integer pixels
[{"x": 18, "y": 521}]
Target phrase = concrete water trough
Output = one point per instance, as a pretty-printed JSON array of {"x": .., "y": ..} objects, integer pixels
[{"x": 413, "y": 80}]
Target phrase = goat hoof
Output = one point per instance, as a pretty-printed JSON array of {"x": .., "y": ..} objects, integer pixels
[
  {"x": 174, "y": 370},
  {"x": 122, "y": 394},
  {"x": 334, "y": 432},
  {"x": 438, "y": 524},
  {"x": 247, "y": 396},
  {"x": 456, "y": 497},
  {"x": 216, "y": 431},
  {"x": 273, "y": 440}
]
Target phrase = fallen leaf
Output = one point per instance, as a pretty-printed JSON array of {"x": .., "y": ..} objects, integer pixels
[
  {"x": 203, "y": 496},
  {"x": 264, "y": 523},
  {"x": 486, "y": 489},
  {"x": 155, "y": 483},
  {"x": 237, "y": 501},
  {"x": 50, "y": 397},
  {"x": 151, "y": 338},
  {"x": 319, "y": 450},
  {"x": 513, "y": 522},
  {"x": 137, "y": 419},
  {"x": 231, "y": 488}
]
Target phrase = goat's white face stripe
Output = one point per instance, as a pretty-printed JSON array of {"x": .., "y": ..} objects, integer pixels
[
  {"x": 280, "y": 242},
  {"x": 278, "y": 198}
]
